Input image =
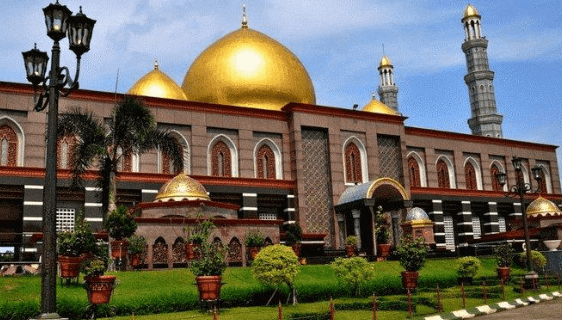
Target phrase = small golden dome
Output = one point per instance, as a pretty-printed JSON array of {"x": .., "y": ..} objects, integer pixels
[
  {"x": 385, "y": 62},
  {"x": 376, "y": 106},
  {"x": 181, "y": 187},
  {"x": 470, "y": 11},
  {"x": 247, "y": 68},
  {"x": 543, "y": 207},
  {"x": 157, "y": 84}
]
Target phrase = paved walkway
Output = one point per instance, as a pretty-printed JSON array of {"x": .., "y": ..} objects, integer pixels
[{"x": 544, "y": 310}]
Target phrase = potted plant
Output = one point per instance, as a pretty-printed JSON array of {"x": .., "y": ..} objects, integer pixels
[
  {"x": 254, "y": 241},
  {"x": 137, "y": 249},
  {"x": 467, "y": 268},
  {"x": 351, "y": 245},
  {"x": 504, "y": 258},
  {"x": 413, "y": 254},
  {"x": 293, "y": 236},
  {"x": 98, "y": 285},
  {"x": 120, "y": 225},
  {"x": 74, "y": 247},
  {"x": 382, "y": 233},
  {"x": 197, "y": 235},
  {"x": 208, "y": 268}
]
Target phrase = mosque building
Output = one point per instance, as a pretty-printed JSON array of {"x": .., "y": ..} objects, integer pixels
[{"x": 258, "y": 148}]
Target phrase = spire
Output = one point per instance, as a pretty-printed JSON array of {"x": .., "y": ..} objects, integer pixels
[
  {"x": 244, "y": 17},
  {"x": 485, "y": 120},
  {"x": 388, "y": 91},
  {"x": 155, "y": 64}
]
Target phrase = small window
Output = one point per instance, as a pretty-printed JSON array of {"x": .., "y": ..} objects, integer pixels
[{"x": 65, "y": 219}]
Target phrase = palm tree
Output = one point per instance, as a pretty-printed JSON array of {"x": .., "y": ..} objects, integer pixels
[{"x": 131, "y": 130}]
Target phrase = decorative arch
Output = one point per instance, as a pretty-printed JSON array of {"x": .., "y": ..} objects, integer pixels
[
  {"x": 222, "y": 157},
  {"x": 445, "y": 173},
  {"x": 160, "y": 252},
  {"x": 164, "y": 163},
  {"x": 65, "y": 151},
  {"x": 267, "y": 160},
  {"x": 355, "y": 161},
  {"x": 473, "y": 174},
  {"x": 546, "y": 184},
  {"x": 387, "y": 185},
  {"x": 178, "y": 251},
  {"x": 129, "y": 161},
  {"x": 234, "y": 251},
  {"x": 415, "y": 159},
  {"x": 495, "y": 168},
  {"x": 12, "y": 141}
]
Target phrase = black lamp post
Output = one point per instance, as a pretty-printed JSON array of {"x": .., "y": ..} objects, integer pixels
[
  {"x": 60, "y": 23},
  {"x": 520, "y": 189}
]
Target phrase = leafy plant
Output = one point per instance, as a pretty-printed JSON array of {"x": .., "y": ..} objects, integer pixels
[
  {"x": 137, "y": 244},
  {"x": 467, "y": 267},
  {"x": 382, "y": 226},
  {"x": 200, "y": 232},
  {"x": 538, "y": 260},
  {"x": 80, "y": 240},
  {"x": 275, "y": 265},
  {"x": 293, "y": 233},
  {"x": 120, "y": 224},
  {"x": 68, "y": 244},
  {"x": 353, "y": 272},
  {"x": 412, "y": 253},
  {"x": 352, "y": 241},
  {"x": 212, "y": 256},
  {"x": 98, "y": 265},
  {"x": 255, "y": 238},
  {"x": 504, "y": 255}
]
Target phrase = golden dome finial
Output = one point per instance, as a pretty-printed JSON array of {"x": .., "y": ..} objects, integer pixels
[
  {"x": 155, "y": 64},
  {"x": 244, "y": 17},
  {"x": 470, "y": 11}
]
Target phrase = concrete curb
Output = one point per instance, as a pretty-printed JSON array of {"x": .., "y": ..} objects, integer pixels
[{"x": 494, "y": 307}]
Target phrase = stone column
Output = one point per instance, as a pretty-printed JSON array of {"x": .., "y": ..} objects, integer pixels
[
  {"x": 464, "y": 224},
  {"x": 356, "y": 215},
  {"x": 438, "y": 226},
  {"x": 341, "y": 224},
  {"x": 491, "y": 224}
]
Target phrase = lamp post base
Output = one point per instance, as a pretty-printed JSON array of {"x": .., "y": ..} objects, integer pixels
[{"x": 531, "y": 279}]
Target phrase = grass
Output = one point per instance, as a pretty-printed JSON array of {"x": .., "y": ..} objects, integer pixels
[{"x": 170, "y": 291}]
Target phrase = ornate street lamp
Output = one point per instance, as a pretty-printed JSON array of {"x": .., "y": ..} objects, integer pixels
[
  {"x": 519, "y": 190},
  {"x": 59, "y": 22}
]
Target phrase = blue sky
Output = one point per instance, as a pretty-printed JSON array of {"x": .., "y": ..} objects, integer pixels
[{"x": 340, "y": 44}]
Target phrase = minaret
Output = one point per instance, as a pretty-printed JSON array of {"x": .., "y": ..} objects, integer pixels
[
  {"x": 485, "y": 121},
  {"x": 388, "y": 91}
]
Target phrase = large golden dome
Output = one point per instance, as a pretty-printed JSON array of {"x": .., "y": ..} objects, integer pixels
[
  {"x": 376, "y": 106},
  {"x": 182, "y": 187},
  {"x": 247, "y": 68},
  {"x": 157, "y": 84},
  {"x": 543, "y": 207}
]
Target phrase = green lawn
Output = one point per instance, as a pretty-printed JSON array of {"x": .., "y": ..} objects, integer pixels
[{"x": 171, "y": 291}]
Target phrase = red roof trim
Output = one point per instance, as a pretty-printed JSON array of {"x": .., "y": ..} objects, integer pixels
[
  {"x": 185, "y": 203},
  {"x": 217, "y": 222},
  {"x": 342, "y": 112}
]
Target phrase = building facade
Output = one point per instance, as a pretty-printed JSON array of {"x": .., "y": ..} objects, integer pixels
[{"x": 260, "y": 142}]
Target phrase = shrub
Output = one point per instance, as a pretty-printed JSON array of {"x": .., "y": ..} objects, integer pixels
[
  {"x": 467, "y": 267},
  {"x": 212, "y": 261},
  {"x": 293, "y": 233},
  {"x": 538, "y": 260},
  {"x": 200, "y": 232},
  {"x": 412, "y": 253},
  {"x": 351, "y": 240},
  {"x": 382, "y": 226},
  {"x": 275, "y": 265},
  {"x": 255, "y": 238},
  {"x": 120, "y": 224},
  {"x": 353, "y": 271},
  {"x": 137, "y": 244},
  {"x": 504, "y": 255}
]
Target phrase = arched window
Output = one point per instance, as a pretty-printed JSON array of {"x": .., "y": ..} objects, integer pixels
[
  {"x": 544, "y": 188},
  {"x": 221, "y": 160},
  {"x": 265, "y": 162},
  {"x": 167, "y": 165},
  {"x": 414, "y": 172},
  {"x": 8, "y": 146},
  {"x": 65, "y": 149},
  {"x": 443, "y": 175},
  {"x": 494, "y": 170},
  {"x": 353, "y": 168},
  {"x": 470, "y": 176}
]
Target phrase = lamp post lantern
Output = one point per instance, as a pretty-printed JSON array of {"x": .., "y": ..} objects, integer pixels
[
  {"x": 519, "y": 190},
  {"x": 59, "y": 22}
]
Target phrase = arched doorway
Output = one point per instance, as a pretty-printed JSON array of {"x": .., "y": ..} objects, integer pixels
[{"x": 356, "y": 210}]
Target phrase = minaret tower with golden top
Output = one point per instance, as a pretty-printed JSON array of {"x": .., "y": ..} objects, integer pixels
[
  {"x": 485, "y": 121},
  {"x": 388, "y": 91}
]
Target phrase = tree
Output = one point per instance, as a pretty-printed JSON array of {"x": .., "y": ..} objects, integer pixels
[
  {"x": 131, "y": 130},
  {"x": 354, "y": 272}
]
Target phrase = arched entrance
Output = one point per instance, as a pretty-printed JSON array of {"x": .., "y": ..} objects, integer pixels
[{"x": 356, "y": 209}]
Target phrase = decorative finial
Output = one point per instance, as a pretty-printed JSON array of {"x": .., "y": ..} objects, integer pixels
[
  {"x": 244, "y": 17},
  {"x": 155, "y": 64},
  {"x": 383, "y": 50}
]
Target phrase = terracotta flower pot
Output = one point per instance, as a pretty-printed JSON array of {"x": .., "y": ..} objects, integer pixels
[
  {"x": 253, "y": 252},
  {"x": 99, "y": 288},
  {"x": 350, "y": 249},
  {"x": 503, "y": 273},
  {"x": 136, "y": 260},
  {"x": 69, "y": 266},
  {"x": 383, "y": 250},
  {"x": 410, "y": 279},
  {"x": 119, "y": 249},
  {"x": 209, "y": 287}
]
